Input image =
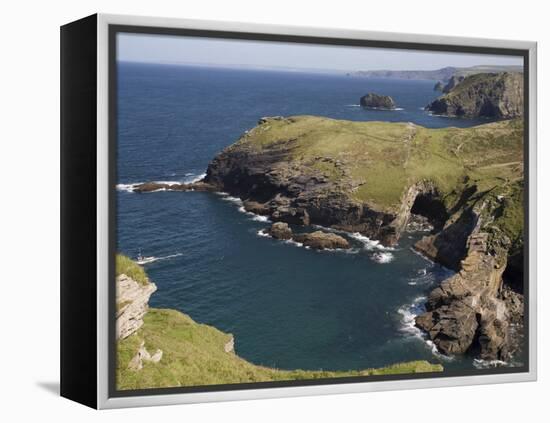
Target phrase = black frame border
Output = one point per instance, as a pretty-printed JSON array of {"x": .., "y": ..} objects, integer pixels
[{"x": 114, "y": 29}]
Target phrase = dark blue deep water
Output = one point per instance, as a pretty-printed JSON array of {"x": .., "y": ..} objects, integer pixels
[{"x": 287, "y": 306}]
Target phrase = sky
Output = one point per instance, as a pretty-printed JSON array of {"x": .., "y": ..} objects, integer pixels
[{"x": 209, "y": 51}]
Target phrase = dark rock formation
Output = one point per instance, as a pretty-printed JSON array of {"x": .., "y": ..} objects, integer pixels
[
  {"x": 322, "y": 240},
  {"x": 497, "y": 95},
  {"x": 280, "y": 230},
  {"x": 469, "y": 310},
  {"x": 375, "y": 101},
  {"x": 451, "y": 83},
  {"x": 369, "y": 177},
  {"x": 438, "y": 86},
  {"x": 256, "y": 208},
  {"x": 163, "y": 186}
]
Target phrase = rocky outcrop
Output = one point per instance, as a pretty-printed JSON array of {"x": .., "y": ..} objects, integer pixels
[
  {"x": 173, "y": 186},
  {"x": 438, "y": 86},
  {"x": 376, "y": 101},
  {"x": 452, "y": 83},
  {"x": 320, "y": 240},
  {"x": 132, "y": 299},
  {"x": 492, "y": 95},
  {"x": 142, "y": 355},
  {"x": 472, "y": 311},
  {"x": 280, "y": 230},
  {"x": 370, "y": 177}
]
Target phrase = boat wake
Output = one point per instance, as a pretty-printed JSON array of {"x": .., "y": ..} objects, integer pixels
[{"x": 153, "y": 259}]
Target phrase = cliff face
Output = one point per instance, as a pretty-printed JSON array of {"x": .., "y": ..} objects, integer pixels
[
  {"x": 132, "y": 303},
  {"x": 370, "y": 177},
  {"x": 492, "y": 95}
]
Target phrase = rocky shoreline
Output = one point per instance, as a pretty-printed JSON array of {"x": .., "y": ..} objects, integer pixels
[{"x": 290, "y": 170}]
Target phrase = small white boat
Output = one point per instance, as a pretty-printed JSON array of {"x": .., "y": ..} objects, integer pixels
[{"x": 140, "y": 259}]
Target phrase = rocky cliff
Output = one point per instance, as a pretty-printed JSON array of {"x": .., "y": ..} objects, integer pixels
[
  {"x": 491, "y": 95},
  {"x": 371, "y": 177},
  {"x": 131, "y": 304}
]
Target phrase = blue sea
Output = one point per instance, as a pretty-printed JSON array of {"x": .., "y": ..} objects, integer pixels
[{"x": 288, "y": 307}]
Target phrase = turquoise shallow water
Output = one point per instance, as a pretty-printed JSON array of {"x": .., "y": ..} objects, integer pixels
[{"x": 287, "y": 306}]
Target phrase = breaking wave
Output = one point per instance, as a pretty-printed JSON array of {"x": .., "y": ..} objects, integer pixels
[{"x": 408, "y": 314}]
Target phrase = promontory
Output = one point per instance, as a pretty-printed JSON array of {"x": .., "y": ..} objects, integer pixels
[{"x": 370, "y": 177}]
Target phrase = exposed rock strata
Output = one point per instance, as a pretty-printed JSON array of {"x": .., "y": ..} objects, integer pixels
[
  {"x": 497, "y": 95},
  {"x": 452, "y": 83},
  {"x": 471, "y": 310},
  {"x": 371, "y": 177},
  {"x": 132, "y": 301}
]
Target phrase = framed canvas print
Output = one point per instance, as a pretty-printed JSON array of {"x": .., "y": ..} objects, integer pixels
[{"x": 254, "y": 211}]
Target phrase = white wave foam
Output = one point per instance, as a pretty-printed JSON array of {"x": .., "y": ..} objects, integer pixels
[
  {"x": 263, "y": 233},
  {"x": 408, "y": 314},
  {"x": 234, "y": 200},
  {"x": 260, "y": 218},
  {"x": 127, "y": 187},
  {"x": 152, "y": 259},
  {"x": 292, "y": 242},
  {"x": 353, "y": 105},
  {"x": 192, "y": 178},
  {"x": 398, "y": 108},
  {"x": 488, "y": 364},
  {"x": 370, "y": 244},
  {"x": 382, "y": 257}
]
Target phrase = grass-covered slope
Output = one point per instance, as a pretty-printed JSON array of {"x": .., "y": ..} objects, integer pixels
[
  {"x": 125, "y": 265},
  {"x": 493, "y": 95},
  {"x": 196, "y": 354},
  {"x": 381, "y": 159}
]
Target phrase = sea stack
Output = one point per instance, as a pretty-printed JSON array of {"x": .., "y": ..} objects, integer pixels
[{"x": 376, "y": 101}]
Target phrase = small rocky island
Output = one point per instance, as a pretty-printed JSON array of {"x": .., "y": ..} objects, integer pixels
[
  {"x": 490, "y": 95},
  {"x": 376, "y": 101},
  {"x": 371, "y": 178}
]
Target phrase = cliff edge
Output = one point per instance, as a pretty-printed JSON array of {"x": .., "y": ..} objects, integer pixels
[
  {"x": 491, "y": 95},
  {"x": 188, "y": 353}
]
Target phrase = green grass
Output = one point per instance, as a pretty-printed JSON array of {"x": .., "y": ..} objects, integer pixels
[
  {"x": 383, "y": 159},
  {"x": 125, "y": 265},
  {"x": 194, "y": 355}
]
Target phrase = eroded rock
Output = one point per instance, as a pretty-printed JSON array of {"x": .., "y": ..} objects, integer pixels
[
  {"x": 376, "y": 101},
  {"x": 132, "y": 303},
  {"x": 280, "y": 230},
  {"x": 322, "y": 240}
]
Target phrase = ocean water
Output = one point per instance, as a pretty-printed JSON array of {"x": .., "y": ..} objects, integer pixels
[{"x": 289, "y": 307}]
